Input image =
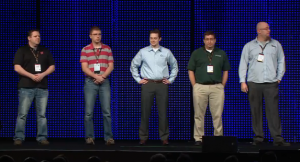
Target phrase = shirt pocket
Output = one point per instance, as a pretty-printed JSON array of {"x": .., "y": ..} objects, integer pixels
[
  {"x": 162, "y": 59},
  {"x": 254, "y": 52}
]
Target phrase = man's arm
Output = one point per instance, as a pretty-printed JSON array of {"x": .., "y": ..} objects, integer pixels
[
  {"x": 21, "y": 71},
  {"x": 281, "y": 63},
  {"x": 174, "y": 67},
  {"x": 135, "y": 64},
  {"x": 192, "y": 77},
  {"x": 224, "y": 78}
]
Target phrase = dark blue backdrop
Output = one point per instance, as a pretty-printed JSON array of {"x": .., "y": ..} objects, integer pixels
[{"x": 125, "y": 25}]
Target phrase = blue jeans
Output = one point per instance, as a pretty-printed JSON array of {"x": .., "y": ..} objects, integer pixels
[
  {"x": 26, "y": 96},
  {"x": 91, "y": 90}
]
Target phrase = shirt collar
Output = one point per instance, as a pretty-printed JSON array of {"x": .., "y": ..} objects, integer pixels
[
  {"x": 151, "y": 49},
  {"x": 266, "y": 41},
  {"x": 211, "y": 51},
  {"x": 92, "y": 46}
]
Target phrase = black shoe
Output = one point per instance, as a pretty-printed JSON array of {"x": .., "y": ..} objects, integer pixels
[
  {"x": 18, "y": 142},
  {"x": 198, "y": 143},
  {"x": 165, "y": 142},
  {"x": 257, "y": 143},
  {"x": 281, "y": 143},
  {"x": 142, "y": 142}
]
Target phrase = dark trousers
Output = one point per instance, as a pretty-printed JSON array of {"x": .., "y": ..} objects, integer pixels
[
  {"x": 160, "y": 91},
  {"x": 268, "y": 91}
]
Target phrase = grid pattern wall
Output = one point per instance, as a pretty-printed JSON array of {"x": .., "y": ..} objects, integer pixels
[
  {"x": 17, "y": 17},
  {"x": 135, "y": 20},
  {"x": 65, "y": 30},
  {"x": 125, "y": 26},
  {"x": 235, "y": 25}
]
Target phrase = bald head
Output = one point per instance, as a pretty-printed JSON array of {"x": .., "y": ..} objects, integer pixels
[
  {"x": 263, "y": 30},
  {"x": 261, "y": 25}
]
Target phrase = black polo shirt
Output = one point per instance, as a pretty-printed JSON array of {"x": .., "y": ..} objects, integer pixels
[
  {"x": 26, "y": 59},
  {"x": 199, "y": 61}
]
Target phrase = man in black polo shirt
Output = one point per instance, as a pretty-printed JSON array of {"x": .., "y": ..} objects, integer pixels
[
  {"x": 206, "y": 66},
  {"x": 33, "y": 63}
]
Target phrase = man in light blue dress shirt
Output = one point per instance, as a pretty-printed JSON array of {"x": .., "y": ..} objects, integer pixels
[
  {"x": 263, "y": 60},
  {"x": 154, "y": 60}
]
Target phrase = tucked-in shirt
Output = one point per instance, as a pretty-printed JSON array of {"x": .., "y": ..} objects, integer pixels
[
  {"x": 93, "y": 56},
  {"x": 199, "y": 61},
  {"x": 154, "y": 65},
  {"x": 270, "y": 70},
  {"x": 26, "y": 59}
]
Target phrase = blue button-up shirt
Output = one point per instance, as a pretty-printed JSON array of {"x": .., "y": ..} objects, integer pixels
[
  {"x": 154, "y": 64},
  {"x": 270, "y": 70}
]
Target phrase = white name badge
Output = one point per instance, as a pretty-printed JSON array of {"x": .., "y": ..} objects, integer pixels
[
  {"x": 210, "y": 69},
  {"x": 37, "y": 68},
  {"x": 96, "y": 68},
  {"x": 260, "y": 58}
]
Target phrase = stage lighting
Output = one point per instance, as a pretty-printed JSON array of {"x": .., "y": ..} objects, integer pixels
[
  {"x": 60, "y": 158},
  {"x": 94, "y": 159},
  {"x": 30, "y": 159},
  {"x": 6, "y": 158}
]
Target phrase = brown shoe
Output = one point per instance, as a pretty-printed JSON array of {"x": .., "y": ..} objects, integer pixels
[
  {"x": 110, "y": 142},
  {"x": 18, "y": 142},
  {"x": 142, "y": 142},
  {"x": 44, "y": 142},
  {"x": 89, "y": 141},
  {"x": 165, "y": 142}
]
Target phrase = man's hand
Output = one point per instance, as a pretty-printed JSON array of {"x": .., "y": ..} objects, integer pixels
[
  {"x": 143, "y": 81},
  {"x": 98, "y": 79},
  {"x": 278, "y": 81},
  {"x": 37, "y": 77},
  {"x": 166, "y": 81},
  {"x": 244, "y": 87}
]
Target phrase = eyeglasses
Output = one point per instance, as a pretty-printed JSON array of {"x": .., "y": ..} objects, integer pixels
[{"x": 97, "y": 34}]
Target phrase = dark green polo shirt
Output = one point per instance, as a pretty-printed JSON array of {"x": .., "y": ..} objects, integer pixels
[{"x": 199, "y": 61}]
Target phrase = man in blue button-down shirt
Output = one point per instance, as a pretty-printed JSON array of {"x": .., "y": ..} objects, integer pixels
[
  {"x": 263, "y": 59},
  {"x": 154, "y": 61}
]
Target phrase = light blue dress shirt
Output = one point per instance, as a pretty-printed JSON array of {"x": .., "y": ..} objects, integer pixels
[
  {"x": 154, "y": 65},
  {"x": 270, "y": 70}
]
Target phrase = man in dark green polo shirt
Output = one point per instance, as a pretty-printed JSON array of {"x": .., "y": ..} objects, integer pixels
[{"x": 208, "y": 72}]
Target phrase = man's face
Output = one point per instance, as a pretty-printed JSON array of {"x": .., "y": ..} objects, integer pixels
[
  {"x": 209, "y": 41},
  {"x": 154, "y": 39},
  {"x": 35, "y": 38},
  {"x": 264, "y": 30},
  {"x": 96, "y": 36}
]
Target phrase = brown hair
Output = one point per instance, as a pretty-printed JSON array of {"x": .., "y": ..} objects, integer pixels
[
  {"x": 94, "y": 28},
  {"x": 157, "y": 31},
  {"x": 31, "y": 31},
  {"x": 210, "y": 32}
]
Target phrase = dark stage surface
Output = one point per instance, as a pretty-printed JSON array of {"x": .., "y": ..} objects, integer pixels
[{"x": 77, "y": 150}]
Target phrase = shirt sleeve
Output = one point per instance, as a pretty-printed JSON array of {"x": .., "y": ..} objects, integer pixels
[
  {"x": 110, "y": 56},
  {"x": 244, "y": 64},
  {"x": 174, "y": 67},
  {"x": 18, "y": 60},
  {"x": 83, "y": 57},
  {"x": 192, "y": 63},
  {"x": 226, "y": 64},
  {"x": 135, "y": 64},
  {"x": 281, "y": 62}
]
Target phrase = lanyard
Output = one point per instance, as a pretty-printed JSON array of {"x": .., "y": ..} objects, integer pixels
[
  {"x": 263, "y": 48},
  {"x": 35, "y": 56},
  {"x": 97, "y": 57},
  {"x": 209, "y": 56}
]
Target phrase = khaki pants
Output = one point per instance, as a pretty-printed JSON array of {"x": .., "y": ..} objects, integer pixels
[{"x": 202, "y": 94}]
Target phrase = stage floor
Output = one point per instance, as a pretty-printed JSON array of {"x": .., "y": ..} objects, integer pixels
[{"x": 77, "y": 149}]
